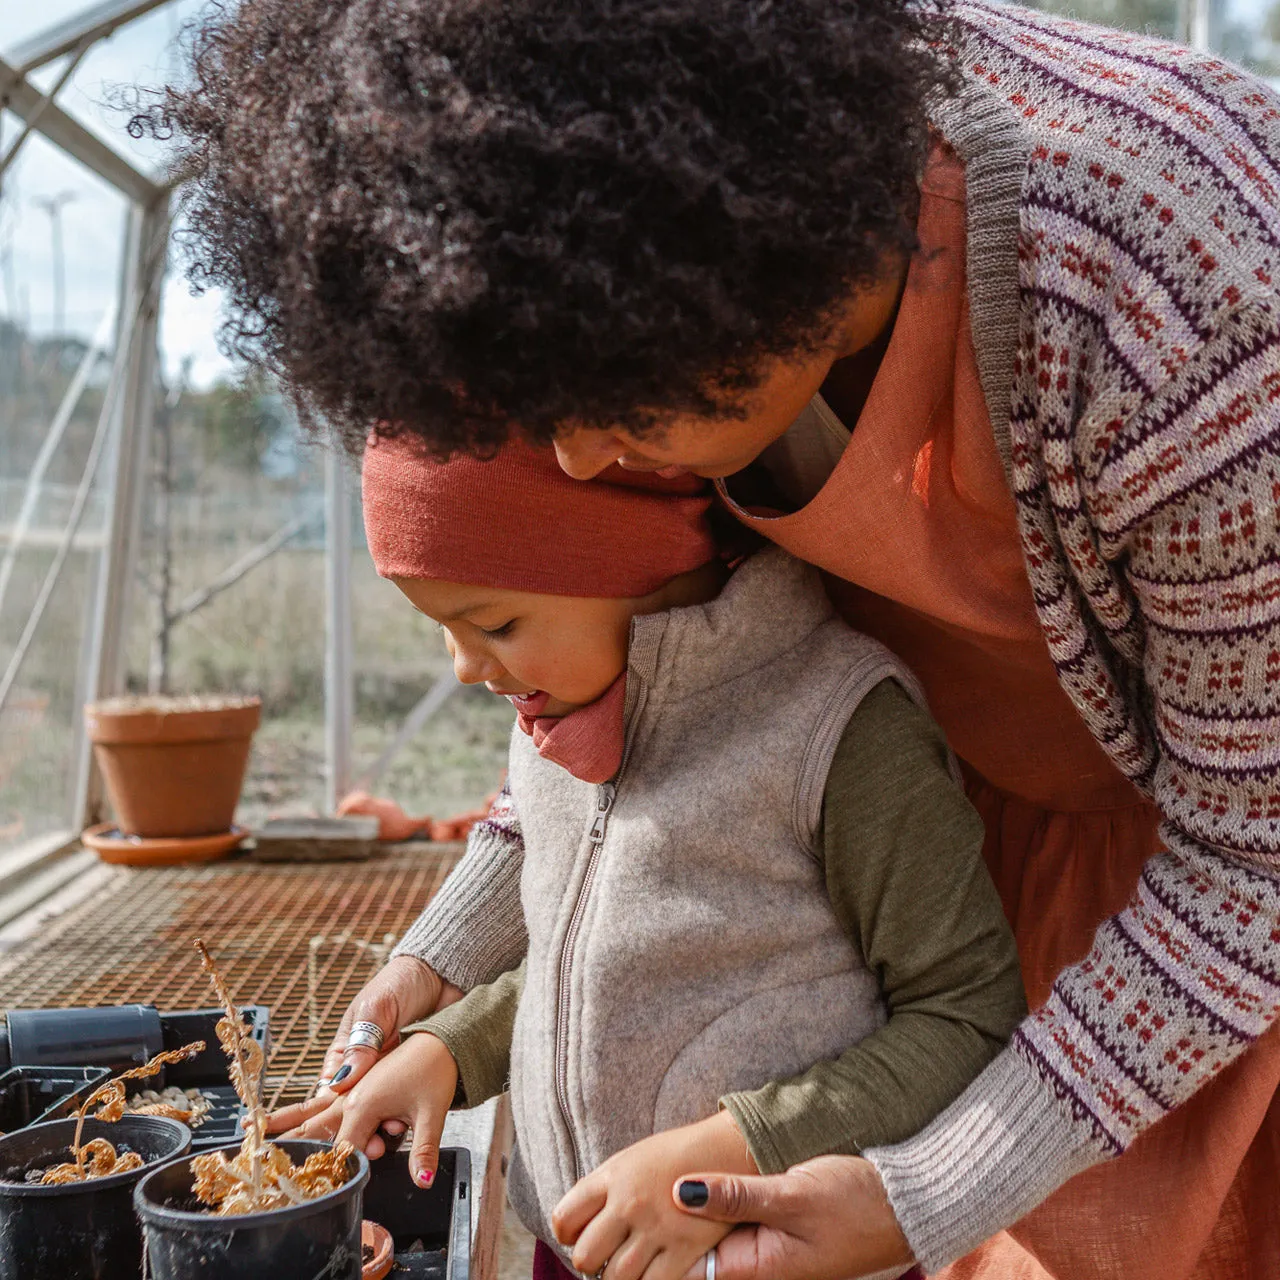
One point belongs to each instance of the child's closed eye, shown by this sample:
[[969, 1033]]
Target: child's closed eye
[[503, 630]]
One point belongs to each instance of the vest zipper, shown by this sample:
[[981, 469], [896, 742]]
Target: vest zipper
[[605, 796]]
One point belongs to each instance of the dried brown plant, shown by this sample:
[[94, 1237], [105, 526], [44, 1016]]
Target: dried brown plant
[[98, 1158], [260, 1176]]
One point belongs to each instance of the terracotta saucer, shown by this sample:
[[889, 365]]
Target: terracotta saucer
[[110, 845], [377, 1238]]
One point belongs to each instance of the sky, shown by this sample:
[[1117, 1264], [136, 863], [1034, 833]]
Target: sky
[[92, 214]]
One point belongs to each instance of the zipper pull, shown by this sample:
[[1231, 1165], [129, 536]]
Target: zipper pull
[[604, 803]]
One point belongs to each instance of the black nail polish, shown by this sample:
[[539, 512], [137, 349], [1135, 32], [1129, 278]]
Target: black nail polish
[[341, 1074], [694, 1194]]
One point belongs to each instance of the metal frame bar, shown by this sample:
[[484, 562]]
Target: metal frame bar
[[339, 689], [126, 483], [90, 25], [419, 714], [69, 135], [77, 56]]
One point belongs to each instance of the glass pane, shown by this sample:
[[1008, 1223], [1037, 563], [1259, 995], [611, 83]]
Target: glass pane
[[19, 22], [61, 240], [99, 93]]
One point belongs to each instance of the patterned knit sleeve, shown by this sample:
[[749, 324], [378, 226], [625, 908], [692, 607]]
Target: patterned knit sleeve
[[1169, 642], [473, 929]]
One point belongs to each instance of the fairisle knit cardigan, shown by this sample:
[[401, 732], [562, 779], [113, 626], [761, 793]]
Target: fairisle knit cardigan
[[1123, 248]]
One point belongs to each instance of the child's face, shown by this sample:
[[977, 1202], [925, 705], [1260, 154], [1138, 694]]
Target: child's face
[[548, 654]]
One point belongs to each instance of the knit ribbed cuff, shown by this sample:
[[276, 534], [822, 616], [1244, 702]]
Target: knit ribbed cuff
[[473, 929], [1000, 1149]]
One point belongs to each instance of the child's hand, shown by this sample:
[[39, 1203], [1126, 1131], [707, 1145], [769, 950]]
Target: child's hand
[[414, 1085], [622, 1214]]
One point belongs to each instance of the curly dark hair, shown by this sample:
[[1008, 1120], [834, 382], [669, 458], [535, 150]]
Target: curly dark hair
[[461, 216]]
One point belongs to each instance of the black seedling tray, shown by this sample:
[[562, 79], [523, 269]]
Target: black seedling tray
[[207, 1071], [32, 1095], [430, 1228]]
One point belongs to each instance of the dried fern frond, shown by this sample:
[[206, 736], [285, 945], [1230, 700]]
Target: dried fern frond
[[109, 1098], [260, 1176]]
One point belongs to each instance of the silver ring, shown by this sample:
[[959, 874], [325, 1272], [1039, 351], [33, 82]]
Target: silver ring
[[323, 1083], [366, 1035], [711, 1265]]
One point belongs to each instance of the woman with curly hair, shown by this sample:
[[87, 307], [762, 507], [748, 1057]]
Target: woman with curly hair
[[975, 310]]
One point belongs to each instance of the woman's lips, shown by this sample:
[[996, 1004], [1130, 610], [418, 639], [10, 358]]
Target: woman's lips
[[529, 704], [667, 471]]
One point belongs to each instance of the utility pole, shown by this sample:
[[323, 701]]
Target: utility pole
[[52, 205]]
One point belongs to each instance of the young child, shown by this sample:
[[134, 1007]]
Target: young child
[[759, 925]]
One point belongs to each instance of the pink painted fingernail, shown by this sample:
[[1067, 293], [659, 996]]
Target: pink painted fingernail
[[425, 1177]]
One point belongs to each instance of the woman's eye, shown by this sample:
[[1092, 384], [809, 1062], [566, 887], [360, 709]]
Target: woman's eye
[[503, 630]]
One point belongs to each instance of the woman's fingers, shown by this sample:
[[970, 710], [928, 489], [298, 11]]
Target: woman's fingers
[[322, 1126], [289, 1117], [730, 1197], [822, 1220], [379, 1006], [737, 1256], [628, 1262], [402, 991]]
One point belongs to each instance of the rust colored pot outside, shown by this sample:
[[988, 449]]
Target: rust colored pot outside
[[173, 766]]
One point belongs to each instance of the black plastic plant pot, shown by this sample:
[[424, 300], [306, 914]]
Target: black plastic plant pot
[[83, 1229], [319, 1237], [32, 1095]]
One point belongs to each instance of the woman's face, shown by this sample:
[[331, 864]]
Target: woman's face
[[715, 447], [709, 447]]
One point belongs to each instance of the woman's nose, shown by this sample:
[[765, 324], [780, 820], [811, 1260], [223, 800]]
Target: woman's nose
[[584, 454]]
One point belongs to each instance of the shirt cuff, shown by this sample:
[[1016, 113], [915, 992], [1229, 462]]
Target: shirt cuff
[[1000, 1149]]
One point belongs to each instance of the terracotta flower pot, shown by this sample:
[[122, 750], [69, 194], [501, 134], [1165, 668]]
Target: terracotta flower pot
[[173, 766]]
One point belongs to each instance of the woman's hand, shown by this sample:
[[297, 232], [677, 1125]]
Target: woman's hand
[[826, 1219], [411, 1086], [619, 1219], [402, 991]]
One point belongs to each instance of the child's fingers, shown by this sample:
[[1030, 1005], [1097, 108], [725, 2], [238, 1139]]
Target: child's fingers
[[629, 1261], [289, 1117], [424, 1157], [599, 1243], [675, 1262], [322, 1126], [360, 1122], [666, 1265], [582, 1202]]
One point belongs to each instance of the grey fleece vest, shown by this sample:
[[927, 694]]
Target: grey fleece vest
[[681, 941]]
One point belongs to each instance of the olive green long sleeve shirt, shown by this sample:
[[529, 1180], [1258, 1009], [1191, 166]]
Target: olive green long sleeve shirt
[[902, 852]]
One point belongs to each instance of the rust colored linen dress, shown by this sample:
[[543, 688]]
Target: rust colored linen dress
[[916, 528]]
